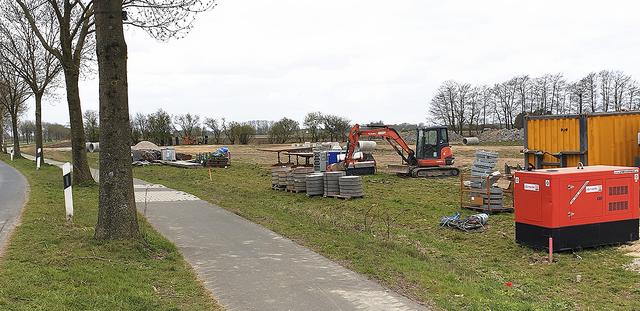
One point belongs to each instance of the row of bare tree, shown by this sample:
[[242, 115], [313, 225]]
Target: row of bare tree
[[48, 43], [464, 106]]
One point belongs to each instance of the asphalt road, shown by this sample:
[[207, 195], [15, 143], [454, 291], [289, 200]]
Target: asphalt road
[[13, 190]]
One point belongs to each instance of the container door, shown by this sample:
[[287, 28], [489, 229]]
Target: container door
[[586, 199]]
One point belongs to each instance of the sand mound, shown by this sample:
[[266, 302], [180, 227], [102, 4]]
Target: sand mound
[[145, 145]]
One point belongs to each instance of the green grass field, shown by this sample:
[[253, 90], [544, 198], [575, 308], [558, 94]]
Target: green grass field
[[51, 265], [393, 235]]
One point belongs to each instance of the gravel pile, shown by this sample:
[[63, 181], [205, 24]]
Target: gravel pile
[[497, 135]]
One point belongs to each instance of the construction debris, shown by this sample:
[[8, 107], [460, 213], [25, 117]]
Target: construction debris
[[473, 222]]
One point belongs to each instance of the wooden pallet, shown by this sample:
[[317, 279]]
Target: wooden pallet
[[296, 191], [347, 197], [274, 187]]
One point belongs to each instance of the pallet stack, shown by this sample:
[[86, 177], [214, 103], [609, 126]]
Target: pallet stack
[[351, 187], [483, 192], [314, 184], [332, 183]]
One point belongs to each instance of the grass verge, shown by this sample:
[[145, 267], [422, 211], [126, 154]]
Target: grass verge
[[51, 265], [393, 235]]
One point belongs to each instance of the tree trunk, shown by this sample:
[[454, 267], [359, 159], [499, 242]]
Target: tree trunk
[[16, 137], [3, 148], [81, 172], [117, 216], [38, 132]]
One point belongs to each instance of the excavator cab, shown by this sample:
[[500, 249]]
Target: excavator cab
[[430, 142]]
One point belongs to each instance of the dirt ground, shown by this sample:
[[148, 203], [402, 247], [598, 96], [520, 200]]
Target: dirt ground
[[384, 154]]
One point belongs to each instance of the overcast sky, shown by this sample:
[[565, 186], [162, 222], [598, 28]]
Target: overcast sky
[[364, 60]]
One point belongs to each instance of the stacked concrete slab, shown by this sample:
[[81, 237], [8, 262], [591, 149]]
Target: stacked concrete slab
[[279, 176], [332, 183], [351, 187], [314, 184], [300, 178]]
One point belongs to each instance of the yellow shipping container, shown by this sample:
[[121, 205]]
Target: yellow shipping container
[[593, 139]]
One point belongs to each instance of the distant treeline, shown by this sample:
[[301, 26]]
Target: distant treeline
[[464, 106]]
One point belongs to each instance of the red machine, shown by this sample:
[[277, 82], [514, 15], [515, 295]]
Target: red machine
[[577, 207], [433, 158]]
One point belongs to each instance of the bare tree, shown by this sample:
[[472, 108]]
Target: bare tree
[[21, 50], [91, 125], [73, 20], [213, 125], [188, 124], [14, 92]]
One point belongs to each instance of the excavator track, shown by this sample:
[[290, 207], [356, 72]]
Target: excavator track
[[444, 171]]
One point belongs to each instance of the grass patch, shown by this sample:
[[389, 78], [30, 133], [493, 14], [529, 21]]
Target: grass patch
[[50, 265], [393, 235]]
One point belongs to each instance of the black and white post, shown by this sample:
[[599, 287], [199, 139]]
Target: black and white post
[[11, 153], [68, 195], [38, 158]]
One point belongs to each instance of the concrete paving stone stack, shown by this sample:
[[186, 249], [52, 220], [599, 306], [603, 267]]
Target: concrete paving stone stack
[[332, 183], [275, 175], [282, 177], [315, 184], [290, 181], [300, 178], [351, 186]]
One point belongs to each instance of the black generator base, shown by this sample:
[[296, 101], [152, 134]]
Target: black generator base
[[576, 237]]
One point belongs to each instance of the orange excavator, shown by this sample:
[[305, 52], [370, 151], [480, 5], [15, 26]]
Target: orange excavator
[[433, 156]]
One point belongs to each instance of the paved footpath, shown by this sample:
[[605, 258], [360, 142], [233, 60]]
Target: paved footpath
[[13, 194], [248, 267]]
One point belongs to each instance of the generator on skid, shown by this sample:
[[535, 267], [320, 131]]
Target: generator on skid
[[576, 207]]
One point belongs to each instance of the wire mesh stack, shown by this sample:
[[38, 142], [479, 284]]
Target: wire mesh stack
[[351, 187], [483, 191], [332, 183], [314, 184], [300, 178]]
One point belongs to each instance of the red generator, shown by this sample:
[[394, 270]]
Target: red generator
[[577, 207]]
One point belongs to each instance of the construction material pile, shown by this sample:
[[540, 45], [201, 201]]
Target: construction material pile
[[218, 158], [332, 183], [497, 135], [314, 184], [351, 187], [279, 177], [483, 177], [299, 175]]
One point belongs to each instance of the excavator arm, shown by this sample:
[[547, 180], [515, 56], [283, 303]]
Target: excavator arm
[[389, 134]]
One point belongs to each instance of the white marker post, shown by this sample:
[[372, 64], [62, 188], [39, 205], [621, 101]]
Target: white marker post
[[11, 153], [38, 158], [68, 195]]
